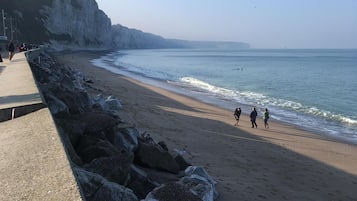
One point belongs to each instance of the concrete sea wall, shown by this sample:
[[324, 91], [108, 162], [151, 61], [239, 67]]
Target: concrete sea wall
[[33, 162]]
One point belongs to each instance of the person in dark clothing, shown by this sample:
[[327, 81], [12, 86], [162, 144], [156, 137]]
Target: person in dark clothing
[[11, 49], [237, 115], [0, 55], [266, 117], [253, 117]]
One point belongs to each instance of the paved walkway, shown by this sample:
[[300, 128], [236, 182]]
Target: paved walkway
[[17, 85], [33, 161], [19, 94]]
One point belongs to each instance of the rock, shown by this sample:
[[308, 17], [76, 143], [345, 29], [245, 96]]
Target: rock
[[182, 163], [200, 171], [201, 187], [96, 187], [70, 83], [56, 106], [113, 104], [76, 101], [172, 192], [124, 137], [146, 138], [154, 156], [140, 182], [73, 128], [97, 121], [69, 148], [198, 180], [163, 145], [108, 104], [115, 169], [161, 177], [89, 148]]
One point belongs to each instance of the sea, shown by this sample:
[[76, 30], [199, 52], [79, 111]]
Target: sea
[[314, 89]]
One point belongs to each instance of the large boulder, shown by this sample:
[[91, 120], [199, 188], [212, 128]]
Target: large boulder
[[161, 177], [72, 127], [96, 122], [76, 101], [71, 80], [154, 156], [172, 192], [124, 137], [69, 148], [95, 187], [199, 186], [109, 103], [199, 182], [115, 169], [182, 163], [89, 148], [56, 106], [140, 182]]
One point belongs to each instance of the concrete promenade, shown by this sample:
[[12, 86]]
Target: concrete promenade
[[33, 161], [18, 91]]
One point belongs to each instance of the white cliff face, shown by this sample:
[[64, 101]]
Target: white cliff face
[[78, 24]]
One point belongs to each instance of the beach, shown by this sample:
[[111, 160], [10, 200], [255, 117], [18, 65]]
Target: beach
[[280, 163]]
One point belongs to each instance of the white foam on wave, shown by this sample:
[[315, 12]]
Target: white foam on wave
[[261, 100], [206, 86], [101, 62]]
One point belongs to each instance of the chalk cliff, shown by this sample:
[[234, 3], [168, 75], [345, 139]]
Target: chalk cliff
[[77, 23], [62, 23]]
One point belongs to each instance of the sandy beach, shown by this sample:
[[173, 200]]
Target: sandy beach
[[280, 163]]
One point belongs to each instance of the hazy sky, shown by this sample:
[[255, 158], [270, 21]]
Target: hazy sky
[[262, 23]]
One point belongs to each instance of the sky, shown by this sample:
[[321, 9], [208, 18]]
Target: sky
[[261, 23]]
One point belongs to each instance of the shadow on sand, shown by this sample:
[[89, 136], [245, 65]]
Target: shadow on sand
[[261, 169]]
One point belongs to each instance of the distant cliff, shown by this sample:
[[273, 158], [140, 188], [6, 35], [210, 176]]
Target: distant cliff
[[125, 38]]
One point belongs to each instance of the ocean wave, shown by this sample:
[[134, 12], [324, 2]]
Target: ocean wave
[[206, 86], [261, 100]]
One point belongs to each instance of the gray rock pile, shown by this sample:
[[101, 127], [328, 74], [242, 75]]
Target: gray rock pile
[[110, 158]]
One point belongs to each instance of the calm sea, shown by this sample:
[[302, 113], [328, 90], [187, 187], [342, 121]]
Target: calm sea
[[314, 89]]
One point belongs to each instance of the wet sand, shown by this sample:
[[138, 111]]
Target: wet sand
[[280, 163]]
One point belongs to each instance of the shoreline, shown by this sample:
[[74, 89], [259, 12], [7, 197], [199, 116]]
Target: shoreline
[[247, 163], [327, 126]]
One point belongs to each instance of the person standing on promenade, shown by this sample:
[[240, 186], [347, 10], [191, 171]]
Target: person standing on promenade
[[253, 117], [266, 117], [11, 49], [237, 115]]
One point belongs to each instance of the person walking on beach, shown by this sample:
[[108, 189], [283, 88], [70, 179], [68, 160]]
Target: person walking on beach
[[253, 117], [0, 55], [11, 49], [237, 115], [266, 117]]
